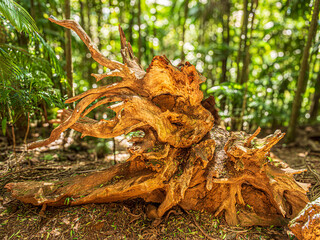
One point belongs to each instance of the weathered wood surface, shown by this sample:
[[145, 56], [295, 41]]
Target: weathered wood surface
[[307, 224]]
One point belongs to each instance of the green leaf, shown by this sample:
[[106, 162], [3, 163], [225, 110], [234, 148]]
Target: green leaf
[[4, 125]]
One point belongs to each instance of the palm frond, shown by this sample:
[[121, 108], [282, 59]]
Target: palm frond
[[20, 55], [22, 21], [18, 17], [8, 66]]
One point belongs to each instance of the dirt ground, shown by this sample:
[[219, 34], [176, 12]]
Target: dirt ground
[[123, 220]]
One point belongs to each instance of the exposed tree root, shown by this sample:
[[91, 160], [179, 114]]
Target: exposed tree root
[[266, 196], [180, 160]]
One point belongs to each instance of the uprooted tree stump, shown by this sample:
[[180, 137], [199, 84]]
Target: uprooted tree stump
[[180, 158]]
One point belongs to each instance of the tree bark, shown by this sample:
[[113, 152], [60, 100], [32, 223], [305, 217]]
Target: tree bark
[[303, 76], [247, 42], [245, 68], [154, 30], [225, 37], [181, 159], [68, 53], [131, 23], [243, 40], [186, 10], [82, 21], [315, 100], [226, 40], [99, 19], [139, 32]]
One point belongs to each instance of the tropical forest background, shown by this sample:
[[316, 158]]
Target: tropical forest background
[[259, 57]]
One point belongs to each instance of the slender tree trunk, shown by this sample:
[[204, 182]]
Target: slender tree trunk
[[186, 10], [243, 36], [131, 23], [154, 30], [68, 53], [146, 48], [237, 107], [58, 83], [315, 101], [225, 37], [313, 61], [13, 141], [247, 42], [85, 74], [245, 67], [226, 40], [139, 32], [99, 6], [99, 17], [27, 131], [89, 6], [99, 20], [82, 21], [121, 12], [303, 76]]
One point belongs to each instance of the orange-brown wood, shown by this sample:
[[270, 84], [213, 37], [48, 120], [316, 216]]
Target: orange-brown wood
[[182, 159]]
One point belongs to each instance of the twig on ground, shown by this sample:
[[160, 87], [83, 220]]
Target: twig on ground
[[200, 228]]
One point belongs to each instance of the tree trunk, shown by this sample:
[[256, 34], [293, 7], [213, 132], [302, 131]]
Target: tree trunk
[[315, 101], [82, 21], [186, 10], [181, 159], [226, 40], [154, 30], [245, 68], [241, 57], [303, 76], [68, 53], [243, 37], [99, 19], [131, 23], [225, 37], [247, 43], [121, 12], [139, 32]]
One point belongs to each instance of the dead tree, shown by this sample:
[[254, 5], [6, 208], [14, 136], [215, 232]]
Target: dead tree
[[180, 159]]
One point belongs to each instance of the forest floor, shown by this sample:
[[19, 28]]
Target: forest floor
[[123, 220]]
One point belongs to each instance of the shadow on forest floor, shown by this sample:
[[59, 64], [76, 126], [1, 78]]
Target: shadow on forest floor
[[125, 220]]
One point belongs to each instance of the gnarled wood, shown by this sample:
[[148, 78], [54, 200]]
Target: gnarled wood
[[307, 224], [182, 159]]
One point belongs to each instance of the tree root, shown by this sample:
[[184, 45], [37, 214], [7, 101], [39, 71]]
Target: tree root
[[266, 196], [181, 159]]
